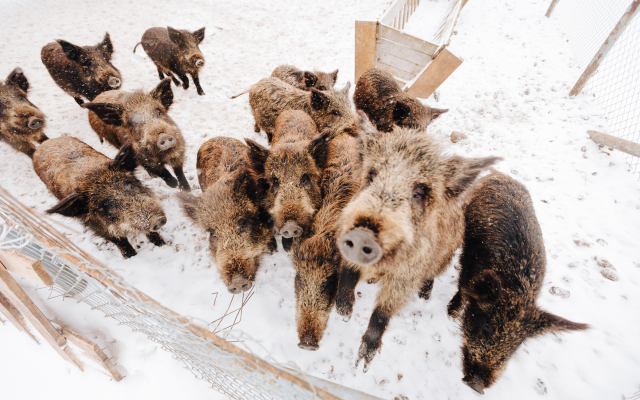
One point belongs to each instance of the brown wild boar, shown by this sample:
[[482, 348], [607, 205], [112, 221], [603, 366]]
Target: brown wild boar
[[175, 52], [291, 171], [502, 271], [101, 192], [405, 222], [141, 118], [82, 71], [230, 211], [386, 105], [21, 123], [331, 109], [305, 80], [315, 255]]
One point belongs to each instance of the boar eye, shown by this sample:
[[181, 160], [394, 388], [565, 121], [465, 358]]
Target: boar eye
[[275, 183], [212, 235], [420, 193], [243, 225], [305, 181], [371, 175], [335, 113], [322, 88], [158, 112], [108, 206]]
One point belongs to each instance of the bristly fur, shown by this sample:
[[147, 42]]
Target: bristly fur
[[305, 80]]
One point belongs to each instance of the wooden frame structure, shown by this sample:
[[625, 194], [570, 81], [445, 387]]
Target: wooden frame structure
[[418, 66]]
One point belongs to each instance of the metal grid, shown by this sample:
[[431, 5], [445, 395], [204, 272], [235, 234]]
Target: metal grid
[[616, 84], [77, 275]]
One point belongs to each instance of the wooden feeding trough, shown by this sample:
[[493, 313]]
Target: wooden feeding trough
[[419, 66]]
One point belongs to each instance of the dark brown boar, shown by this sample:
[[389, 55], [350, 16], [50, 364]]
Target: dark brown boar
[[386, 105], [103, 193], [405, 222], [315, 255], [329, 110], [141, 118], [292, 172], [305, 80], [82, 71], [230, 211], [175, 52], [21, 123], [502, 271]]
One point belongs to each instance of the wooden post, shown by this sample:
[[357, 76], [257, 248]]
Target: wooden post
[[92, 351], [435, 74], [551, 7], [623, 145], [13, 315], [26, 267], [615, 34], [366, 37]]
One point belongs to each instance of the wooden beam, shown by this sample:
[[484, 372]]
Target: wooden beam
[[13, 315], [435, 74], [366, 37], [617, 143], [26, 267], [407, 40], [608, 44], [93, 351], [551, 7]]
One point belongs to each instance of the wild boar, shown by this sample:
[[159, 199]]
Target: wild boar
[[82, 71], [141, 118], [103, 193], [386, 105], [405, 222], [502, 271], [230, 211], [21, 123], [305, 80], [175, 52], [331, 109], [292, 172], [315, 255]]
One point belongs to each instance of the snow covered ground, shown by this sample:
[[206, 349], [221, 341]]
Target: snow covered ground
[[510, 98]]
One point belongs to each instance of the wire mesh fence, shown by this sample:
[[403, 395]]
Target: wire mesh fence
[[76, 275], [616, 85]]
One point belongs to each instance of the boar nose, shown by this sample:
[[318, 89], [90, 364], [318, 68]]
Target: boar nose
[[199, 63], [475, 383], [35, 122], [114, 82], [308, 343], [158, 223], [165, 142], [360, 246], [291, 230], [239, 284]]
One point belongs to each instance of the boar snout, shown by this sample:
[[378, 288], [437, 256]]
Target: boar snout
[[475, 383], [291, 230], [114, 82], [308, 343], [166, 142], [360, 246], [158, 223], [199, 63], [239, 284], [35, 122]]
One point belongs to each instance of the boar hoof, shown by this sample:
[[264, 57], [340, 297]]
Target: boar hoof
[[239, 284], [455, 306], [359, 246], [286, 243], [474, 383], [290, 230], [201, 92], [79, 100], [256, 128], [156, 239], [308, 343]]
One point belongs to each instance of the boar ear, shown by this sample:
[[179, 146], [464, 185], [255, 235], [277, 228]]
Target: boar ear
[[436, 112], [257, 156], [125, 160], [163, 93], [461, 172], [486, 287], [17, 78], [551, 323], [319, 148], [245, 185], [190, 204], [106, 46], [334, 75], [73, 52], [400, 111], [310, 79], [366, 130], [175, 36], [199, 35], [110, 114], [319, 100], [346, 88], [73, 205]]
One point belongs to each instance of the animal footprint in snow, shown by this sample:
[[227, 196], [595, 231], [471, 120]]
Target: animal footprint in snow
[[557, 291]]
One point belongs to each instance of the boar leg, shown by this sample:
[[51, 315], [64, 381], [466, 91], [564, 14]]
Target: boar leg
[[165, 175], [160, 74], [124, 246], [155, 238], [173, 78], [346, 296], [78, 100], [455, 305], [425, 291], [196, 81], [256, 128], [184, 184], [185, 81], [272, 246], [372, 339]]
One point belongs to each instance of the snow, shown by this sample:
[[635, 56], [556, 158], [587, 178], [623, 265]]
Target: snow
[[510, 97]]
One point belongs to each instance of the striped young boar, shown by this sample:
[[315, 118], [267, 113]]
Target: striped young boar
[[141, 118], [329, 110], [103, 193], [175, 52], [386, 105], [502, 271], [405, 222], [230, 211], [21, 123], [82, 71], [305, 80], [291, 172], [315, 255]]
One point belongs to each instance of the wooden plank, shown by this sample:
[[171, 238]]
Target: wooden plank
[[400, 51], [435, 74], [399, 63], [13, 315], [395, 72], [617, 143], [464, 3], [393, 12], [407, 40], [74, 358], [365, 57], [92, 351], [26, 267], [615, 34], [551, 7]]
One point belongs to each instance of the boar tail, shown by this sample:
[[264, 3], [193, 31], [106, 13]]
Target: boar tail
[[240, 94], [134, 49]]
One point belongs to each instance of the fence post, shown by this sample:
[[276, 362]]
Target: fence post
[[605, 48], [551, 7], [366, 43]]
